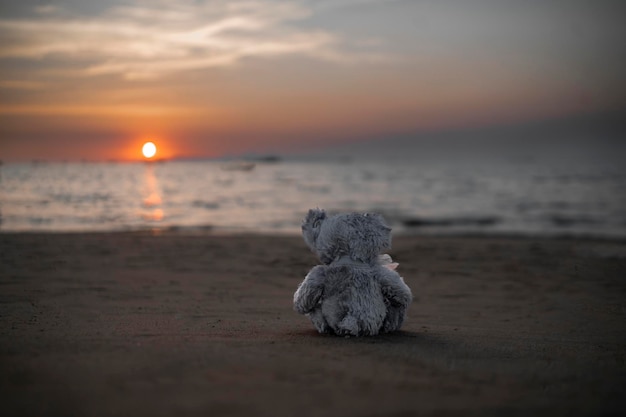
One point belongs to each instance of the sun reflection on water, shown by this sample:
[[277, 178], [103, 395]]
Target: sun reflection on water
[[151, 202]]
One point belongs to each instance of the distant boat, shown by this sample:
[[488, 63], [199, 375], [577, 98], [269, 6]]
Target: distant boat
[[238, 166], [270, 159]]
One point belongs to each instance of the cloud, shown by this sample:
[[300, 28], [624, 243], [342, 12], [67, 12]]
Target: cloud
[[148, 40], [20, 85], [106, 110]]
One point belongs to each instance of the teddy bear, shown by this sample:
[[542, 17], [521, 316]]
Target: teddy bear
[[356, 291]]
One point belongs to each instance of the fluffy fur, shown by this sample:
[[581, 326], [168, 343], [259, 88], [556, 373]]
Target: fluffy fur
[[356, 292]]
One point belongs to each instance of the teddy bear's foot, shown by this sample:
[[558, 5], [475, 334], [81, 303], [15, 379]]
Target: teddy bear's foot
[[394, 319], [322, 328], [318, 320], [348, 327]]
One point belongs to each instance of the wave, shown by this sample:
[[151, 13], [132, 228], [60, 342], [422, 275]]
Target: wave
[[483, 221], [208, 205]]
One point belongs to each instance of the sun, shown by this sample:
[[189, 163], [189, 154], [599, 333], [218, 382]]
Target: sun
[[149, 150]]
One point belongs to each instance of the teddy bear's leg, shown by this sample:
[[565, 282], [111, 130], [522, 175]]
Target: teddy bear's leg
[[348, 326], [394, 318], [318, 320]]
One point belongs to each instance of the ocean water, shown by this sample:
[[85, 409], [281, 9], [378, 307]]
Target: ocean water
[[511, 194]]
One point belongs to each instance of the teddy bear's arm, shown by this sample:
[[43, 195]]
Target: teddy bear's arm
[[397, 297], [395, 291], [310, 290]]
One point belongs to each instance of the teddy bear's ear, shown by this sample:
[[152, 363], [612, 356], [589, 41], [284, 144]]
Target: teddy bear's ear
[[383, 232], [314, 217], [311, 227]]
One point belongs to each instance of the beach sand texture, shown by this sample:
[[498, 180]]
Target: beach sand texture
[[136, 324]]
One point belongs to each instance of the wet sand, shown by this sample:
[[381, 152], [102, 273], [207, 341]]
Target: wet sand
[[157, 325]]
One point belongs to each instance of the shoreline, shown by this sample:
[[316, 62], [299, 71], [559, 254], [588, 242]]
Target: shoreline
[[209, 231], [143, 324]]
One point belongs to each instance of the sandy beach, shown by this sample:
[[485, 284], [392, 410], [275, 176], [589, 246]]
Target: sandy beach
[[142, 324]]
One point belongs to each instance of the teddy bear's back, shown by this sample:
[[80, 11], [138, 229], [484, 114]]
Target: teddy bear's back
[[354, 293]]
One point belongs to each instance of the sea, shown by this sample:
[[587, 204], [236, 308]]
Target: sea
[[575, 191]]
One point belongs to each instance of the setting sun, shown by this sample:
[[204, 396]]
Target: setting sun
[[149, 150]]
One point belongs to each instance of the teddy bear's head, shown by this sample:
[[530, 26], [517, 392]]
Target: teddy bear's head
[[359, 236]]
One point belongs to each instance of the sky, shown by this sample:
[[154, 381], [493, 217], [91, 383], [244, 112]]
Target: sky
[[87, 79]]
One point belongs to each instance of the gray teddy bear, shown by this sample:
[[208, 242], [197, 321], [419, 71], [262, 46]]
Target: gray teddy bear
[[356, 292]]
